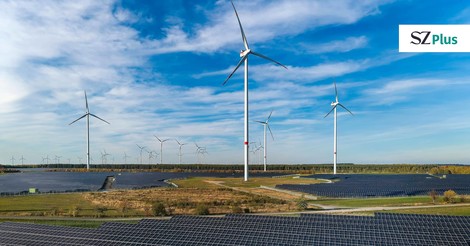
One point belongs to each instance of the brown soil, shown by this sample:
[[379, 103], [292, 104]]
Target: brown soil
[[185, 200]]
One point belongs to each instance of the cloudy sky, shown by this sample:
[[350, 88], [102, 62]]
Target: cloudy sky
[[157, 67]]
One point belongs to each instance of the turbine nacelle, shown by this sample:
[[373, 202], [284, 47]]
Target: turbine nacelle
[[245, 52]]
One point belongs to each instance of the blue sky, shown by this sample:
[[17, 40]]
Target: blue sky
[[156, 68]]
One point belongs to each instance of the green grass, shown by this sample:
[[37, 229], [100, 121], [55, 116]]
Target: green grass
[[457, 211], [372, 202], [194, 182], [43, 202], [74, 223]]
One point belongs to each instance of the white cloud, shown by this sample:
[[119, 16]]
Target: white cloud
[[350, 43], [263, 20]]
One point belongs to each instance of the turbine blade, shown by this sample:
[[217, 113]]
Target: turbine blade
[[99, 118], [177, 141], [262, 122], [78, 119], [86, 103], [157, 138], [234, 70], [267, 58], [245, 42], [269, 116], [330, 111], [269, 128], [336, 92], [345, 108]]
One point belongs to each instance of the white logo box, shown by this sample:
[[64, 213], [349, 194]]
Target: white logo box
[[434, 38]]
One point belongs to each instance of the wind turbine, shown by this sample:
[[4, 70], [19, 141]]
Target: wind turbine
[[180, 145], [22, 160], [79, 160], [47, 159], [200, 151], [150, 154], [141, 149], [87, 115], [244, 58], [335, 136], [12, 160], [104, 159], [161, 148], [57, 159], [266, 125], [125, 158]]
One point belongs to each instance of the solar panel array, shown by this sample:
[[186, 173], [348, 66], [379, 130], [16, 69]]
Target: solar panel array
[[368, 185], [308, 229]]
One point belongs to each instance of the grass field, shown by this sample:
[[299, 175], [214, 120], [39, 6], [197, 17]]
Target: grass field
[[370, 202], [457, 211]]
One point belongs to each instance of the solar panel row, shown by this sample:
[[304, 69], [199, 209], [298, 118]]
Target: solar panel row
[[308, 229], [368, 185]]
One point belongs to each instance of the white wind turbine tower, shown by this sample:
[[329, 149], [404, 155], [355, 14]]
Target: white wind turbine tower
[[87, 115], [244, 58], [180, 145], [141, 149], [335, 136], [266, 125], [161, 148], [12, 160], [22, 160]]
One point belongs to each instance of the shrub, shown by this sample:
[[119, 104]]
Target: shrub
[[74, 210], [159, 209], [449, 196], [100, 211], [202, 209], [237, 210], [302, 203], [462, 198]]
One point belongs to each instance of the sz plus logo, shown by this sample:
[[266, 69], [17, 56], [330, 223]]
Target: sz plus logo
[[434, 38], [425, 37]]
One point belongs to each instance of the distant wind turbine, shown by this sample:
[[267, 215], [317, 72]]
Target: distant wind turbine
[[244, 58], [12, 160], [151, 155], [57, 159], [161, 148], [141, 149], [104, 159], [180, 145], [22, 160], [200, 151], [125, 158], [87, 115], [266, 125], [335, 136], [46, 159]]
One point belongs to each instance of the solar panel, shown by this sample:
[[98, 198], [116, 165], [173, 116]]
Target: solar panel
[[359, 185], [308, 229]]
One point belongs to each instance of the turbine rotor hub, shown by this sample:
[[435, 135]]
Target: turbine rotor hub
[[244, 52]]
